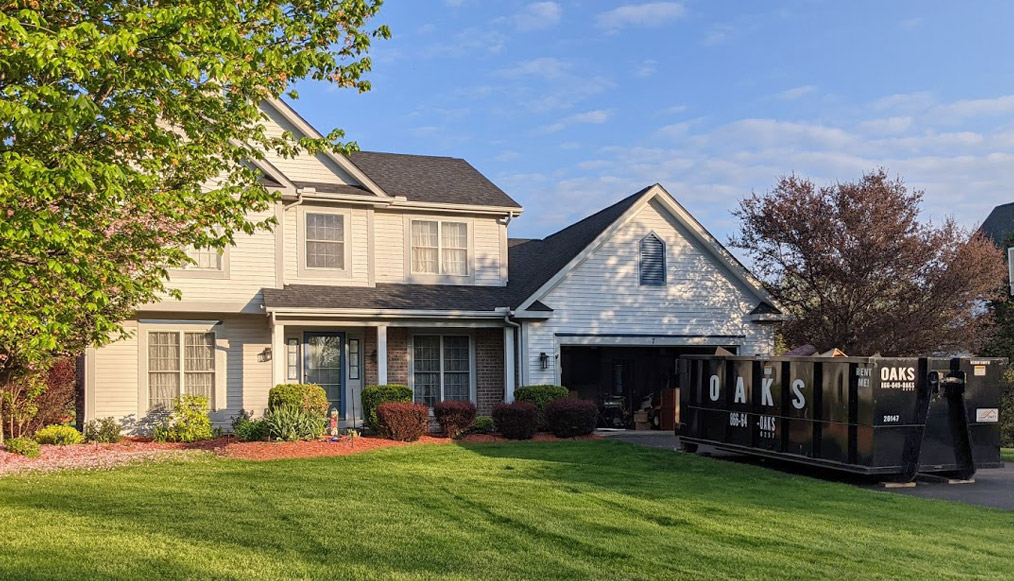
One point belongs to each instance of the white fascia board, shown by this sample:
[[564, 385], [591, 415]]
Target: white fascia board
[[533, 315], [499, 313], [293, 117], [223, 307], [403, 204]]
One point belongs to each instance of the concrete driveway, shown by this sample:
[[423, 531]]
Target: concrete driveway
[[993, 488]]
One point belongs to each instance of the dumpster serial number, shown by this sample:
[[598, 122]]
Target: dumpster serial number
[[738, 419], [892, 419]]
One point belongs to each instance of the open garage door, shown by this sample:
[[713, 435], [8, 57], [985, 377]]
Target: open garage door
[[624, 380]]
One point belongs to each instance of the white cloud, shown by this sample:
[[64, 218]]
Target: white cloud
[[468, 41], [559, 85], [652, 14], [718, 34], [795, 93], [889, 125], [507, 155], [597, 116], [645, 69], [547, 68], [537, 16]]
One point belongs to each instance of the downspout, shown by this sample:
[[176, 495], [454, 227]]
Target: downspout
[[517, 346]]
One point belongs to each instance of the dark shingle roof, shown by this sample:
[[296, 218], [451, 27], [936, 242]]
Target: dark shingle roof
[[765, 308], [423, 178], [533, 262], [999, 225], [389, 296]]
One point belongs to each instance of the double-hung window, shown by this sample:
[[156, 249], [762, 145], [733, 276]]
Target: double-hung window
[[439, 247], [325, 241], [441, 368], [180, 362]]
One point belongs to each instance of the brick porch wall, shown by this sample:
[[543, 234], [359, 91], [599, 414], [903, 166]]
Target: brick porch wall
[[488, 369], [397, 355]]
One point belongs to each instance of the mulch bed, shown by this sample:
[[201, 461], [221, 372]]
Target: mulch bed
[[134, 450]]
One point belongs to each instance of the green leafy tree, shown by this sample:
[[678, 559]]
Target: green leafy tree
[[127, 130]]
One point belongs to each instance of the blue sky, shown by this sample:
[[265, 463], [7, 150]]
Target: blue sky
[[571, 105]]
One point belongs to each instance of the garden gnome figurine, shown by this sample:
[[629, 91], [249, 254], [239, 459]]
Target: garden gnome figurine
[[334, 425]]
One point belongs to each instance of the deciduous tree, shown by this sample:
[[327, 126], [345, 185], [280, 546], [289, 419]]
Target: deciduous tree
[[126, 131], [856, 269]]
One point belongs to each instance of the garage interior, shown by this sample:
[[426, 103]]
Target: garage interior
[[634, 386]]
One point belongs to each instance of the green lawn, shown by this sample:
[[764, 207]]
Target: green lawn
[[575, 510], [1007, 454]]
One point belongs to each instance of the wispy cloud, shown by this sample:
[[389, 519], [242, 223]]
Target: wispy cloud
[[718, 34], [646, 69], [795, 93], [468, 41], [547, 68], [651, 14], [536, 16], [558, 86], [597, 116]]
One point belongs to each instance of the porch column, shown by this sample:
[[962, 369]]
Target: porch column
[[509, 363], [278, 354], [381, 354]]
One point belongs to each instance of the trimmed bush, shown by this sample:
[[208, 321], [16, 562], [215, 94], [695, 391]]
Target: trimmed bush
[[405, 422], [455, 417], [59, 435], [306, 396], [540, 395], [188, 422], [374, 395], [247, 429], [516, 421], [291, 423], [104, 431], [25, 446], [567, 418], [483, 425]]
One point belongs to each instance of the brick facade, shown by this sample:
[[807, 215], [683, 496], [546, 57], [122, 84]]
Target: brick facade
[[397, 355], [488, 369], [489, 365]]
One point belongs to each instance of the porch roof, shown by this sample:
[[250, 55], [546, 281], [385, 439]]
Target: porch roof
[[387, 296]]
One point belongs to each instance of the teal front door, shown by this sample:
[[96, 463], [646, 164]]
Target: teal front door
[[324, 365]]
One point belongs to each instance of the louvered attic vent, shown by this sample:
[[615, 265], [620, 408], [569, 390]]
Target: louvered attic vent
[[652, 261]]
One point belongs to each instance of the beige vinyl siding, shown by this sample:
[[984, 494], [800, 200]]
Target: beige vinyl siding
[[248, 267], [115, 376], [603, 295], [389, 238], [304, 168], [120, 371], [356, 237], [487, 252]]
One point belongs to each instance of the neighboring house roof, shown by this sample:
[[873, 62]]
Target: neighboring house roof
[[999, 225], [388, 296], [424, 178]]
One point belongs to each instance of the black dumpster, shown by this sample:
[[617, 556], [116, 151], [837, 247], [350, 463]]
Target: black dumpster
[[887, 416]]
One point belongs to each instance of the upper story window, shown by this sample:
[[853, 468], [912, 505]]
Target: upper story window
[[204, 259], [325, 241], [439, 247], [652, 261]]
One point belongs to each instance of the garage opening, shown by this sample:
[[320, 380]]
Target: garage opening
[[634, 387]]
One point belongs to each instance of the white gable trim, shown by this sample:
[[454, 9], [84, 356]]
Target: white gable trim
[[290, 115], [715, 248]]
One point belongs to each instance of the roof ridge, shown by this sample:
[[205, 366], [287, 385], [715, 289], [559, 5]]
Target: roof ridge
[[602, 211], [408, 154]]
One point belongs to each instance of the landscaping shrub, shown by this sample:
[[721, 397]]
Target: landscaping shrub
[[540, 395], [374, 395], [59, 435], [1007, 414], [25, 446], [292, 423], [247, 429], [40, 398], [104, 431], [405, 422], [455, 417], [483, 425], [567, 418], [188, 421], [516, 421], [306, 396]]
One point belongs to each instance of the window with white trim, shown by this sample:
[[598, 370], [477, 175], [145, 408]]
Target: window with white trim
[[173, 371], [439, 247], [441, 368], [204, 259], [292, 359], [324, 236], [355, 358], [652, 261]]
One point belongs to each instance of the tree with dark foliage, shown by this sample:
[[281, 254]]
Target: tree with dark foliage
[[857, 270]]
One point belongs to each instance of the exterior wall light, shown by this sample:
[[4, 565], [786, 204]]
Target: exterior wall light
[[544, 360]]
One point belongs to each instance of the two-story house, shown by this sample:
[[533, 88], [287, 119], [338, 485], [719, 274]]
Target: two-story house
[[388, 268]]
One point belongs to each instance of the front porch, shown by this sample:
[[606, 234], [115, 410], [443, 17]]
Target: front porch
[[447, 358]]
